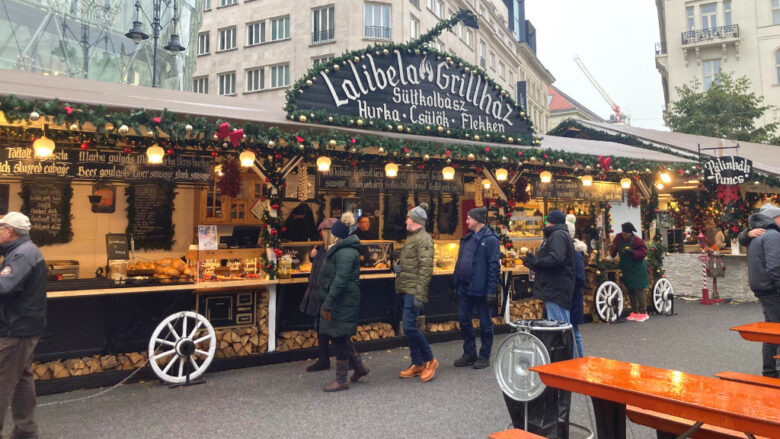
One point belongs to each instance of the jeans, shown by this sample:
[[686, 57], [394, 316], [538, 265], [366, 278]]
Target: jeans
[[557, 312], [466, 306], [771, 306], [419, 349], [578, 341], [17, 385]]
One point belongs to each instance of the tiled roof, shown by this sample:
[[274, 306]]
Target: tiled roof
[[562, 102]]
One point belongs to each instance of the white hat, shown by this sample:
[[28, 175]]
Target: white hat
[[16, 220]]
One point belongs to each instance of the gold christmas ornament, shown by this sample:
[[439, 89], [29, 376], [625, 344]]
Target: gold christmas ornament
[[330, 119], [74, 126], [188, 128], [215, 137], [449, 132], [416, 51], [385, 51], [381, 150], [360, 122], [271, 144], [522, 114], [123, 130], [356, 59], [427, 127], [300, 92], [34, 116], [487, 136], [302, 118], [301, 147], [511, 140], [470, 157], [426, 157], [336, 67], [560, 160], [308, 83], [407, 155], [440, 129], [504, 159], [399, 128], [476, 137], [332, 143]]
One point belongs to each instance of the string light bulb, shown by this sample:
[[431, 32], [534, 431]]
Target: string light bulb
[[486, 183], [323, 164], [155, 154]]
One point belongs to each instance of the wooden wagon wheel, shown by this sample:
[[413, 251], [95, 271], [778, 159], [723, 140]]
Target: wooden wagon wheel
[[185, 351], [609, 301], [663, 297]]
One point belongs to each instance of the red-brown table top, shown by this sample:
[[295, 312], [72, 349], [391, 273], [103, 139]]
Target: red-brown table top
[[737, 406], [766, 332]]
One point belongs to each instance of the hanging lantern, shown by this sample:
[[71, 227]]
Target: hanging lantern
[[155, 154], [486, 183], [391, 170], [545, 176], [625, 183], [587, 180], [43, 147], [247, 159], [501, 174], [665, 177], [659, 185], [448, 173], [218, 170], [323, 164]]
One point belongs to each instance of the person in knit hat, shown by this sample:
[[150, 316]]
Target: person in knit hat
[[633, 251], [413, 275], [553, 266], [475, 277]]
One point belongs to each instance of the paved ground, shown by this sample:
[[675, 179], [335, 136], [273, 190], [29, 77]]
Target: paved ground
[[283, 401]]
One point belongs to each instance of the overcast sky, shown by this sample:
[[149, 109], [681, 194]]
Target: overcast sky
[[615, 39]]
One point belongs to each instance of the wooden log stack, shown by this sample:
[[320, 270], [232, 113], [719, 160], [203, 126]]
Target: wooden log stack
[[292, 340], [239, 342], [526, 309], [73, 367]]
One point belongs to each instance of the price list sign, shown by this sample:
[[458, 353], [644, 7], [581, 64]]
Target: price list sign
[[44, 204], [152, 223]]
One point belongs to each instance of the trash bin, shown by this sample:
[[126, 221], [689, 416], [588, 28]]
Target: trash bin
[[547, 413]]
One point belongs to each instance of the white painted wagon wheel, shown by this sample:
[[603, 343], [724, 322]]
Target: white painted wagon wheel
[[609, 301], [189, 340], [663, 296]]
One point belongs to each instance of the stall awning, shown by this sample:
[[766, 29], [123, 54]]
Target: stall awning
[[597, 147]]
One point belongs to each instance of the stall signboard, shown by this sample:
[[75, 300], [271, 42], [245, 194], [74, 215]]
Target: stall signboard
[[344, 178], [413, 88], [572, 188], [116, 246], [94, 164], [728, 170]]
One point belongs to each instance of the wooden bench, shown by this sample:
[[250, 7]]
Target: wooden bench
[[514, 433], [747, 378], [765, 332], [674, 426]]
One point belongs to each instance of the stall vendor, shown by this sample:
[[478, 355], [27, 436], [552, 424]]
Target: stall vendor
[[633, 252]]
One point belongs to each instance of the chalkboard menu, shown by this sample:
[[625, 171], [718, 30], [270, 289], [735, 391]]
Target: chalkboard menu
[[375, 179], [116, 246], [47, 204], [572, 188], [395, 216], [150, 215]]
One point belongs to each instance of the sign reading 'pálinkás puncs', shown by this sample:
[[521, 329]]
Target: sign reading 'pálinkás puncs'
[[728, 170], [413, 88]]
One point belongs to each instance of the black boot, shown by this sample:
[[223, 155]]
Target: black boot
[[356, 363], [465, 360], [340, 383], [319, 365], [323, 363]]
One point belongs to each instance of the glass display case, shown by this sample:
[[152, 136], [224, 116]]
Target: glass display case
[[375, 256], [445, 254], [525, 226]]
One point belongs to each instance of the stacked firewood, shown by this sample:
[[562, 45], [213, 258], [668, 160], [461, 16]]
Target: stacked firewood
[[239, 342], [589, 291], [373, 331], [87, 365], [526, 309], [454, 325], [292, 340]]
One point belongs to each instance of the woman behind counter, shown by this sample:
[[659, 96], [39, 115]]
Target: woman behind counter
[[339, 293]]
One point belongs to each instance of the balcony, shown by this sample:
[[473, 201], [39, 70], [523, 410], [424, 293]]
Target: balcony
[[322, 37], [713, 35], [377, 33], [660, 48]]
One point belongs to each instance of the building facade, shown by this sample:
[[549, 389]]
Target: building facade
[[260, 47], [700, 38]]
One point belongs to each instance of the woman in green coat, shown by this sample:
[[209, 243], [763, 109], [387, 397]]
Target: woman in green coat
[[633, 252], [339, 293]]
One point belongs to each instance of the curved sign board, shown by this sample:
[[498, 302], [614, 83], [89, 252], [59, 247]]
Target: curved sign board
[[728, 170], [414, 88]]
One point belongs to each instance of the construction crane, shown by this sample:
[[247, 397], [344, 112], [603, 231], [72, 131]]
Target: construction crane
[[617, 116]]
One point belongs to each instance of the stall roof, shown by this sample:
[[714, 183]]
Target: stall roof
[[125, 97], [765, 157]]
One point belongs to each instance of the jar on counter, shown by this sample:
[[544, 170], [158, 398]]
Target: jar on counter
[[117, 270], [284, 269]]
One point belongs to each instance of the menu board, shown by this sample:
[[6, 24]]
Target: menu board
[[572, 188], [150, 210], [47, 204], [374, 179], [116, 246]]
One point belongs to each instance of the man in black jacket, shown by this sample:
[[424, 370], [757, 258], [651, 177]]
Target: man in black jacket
[[554, 268], [22, 321]]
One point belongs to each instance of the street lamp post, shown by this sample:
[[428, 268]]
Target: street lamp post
[[137, 34]]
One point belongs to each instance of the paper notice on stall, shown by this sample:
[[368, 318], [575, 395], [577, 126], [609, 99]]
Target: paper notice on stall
[[207, 238], [258, 208]]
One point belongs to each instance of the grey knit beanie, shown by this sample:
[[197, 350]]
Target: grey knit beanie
[[418, 214]]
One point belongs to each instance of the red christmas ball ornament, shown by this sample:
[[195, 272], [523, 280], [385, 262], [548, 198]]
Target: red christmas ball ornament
[[735, 229], [421, 166], [508, 245], [214, 153], [127, 150], [170, 151], [284, 229], [274, 206], [520, 153], [655, 210], [268, 266], [273, 231], [487, 149], [278, 156], [353, 140], [132, 142], [84, 145], [353, 163], [267, 180]]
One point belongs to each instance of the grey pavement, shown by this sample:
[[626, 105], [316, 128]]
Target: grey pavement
[[284, 401]]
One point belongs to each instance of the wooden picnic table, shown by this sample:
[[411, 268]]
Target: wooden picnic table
[[612, 384], [765, 332]]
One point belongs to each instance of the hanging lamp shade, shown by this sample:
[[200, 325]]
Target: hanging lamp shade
[[486, 183], [247, 159], [587, 180], [391, 170], [323, 164], [155, 154], [501, 174], [545, 176], [43, 147], [137, 33], [174, 45], [448, 173], [625, 183], [665, 177]]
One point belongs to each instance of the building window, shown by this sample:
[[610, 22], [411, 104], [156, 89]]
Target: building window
[[501, 69], [482, 54], [689, 17], [416, 3], [436, 7], [322, 25], [227, 38], [469, 37], [201, 85], [255, 79], [711, 69], [322, 59], [255, 33], [227, 2], [280, 76], [775, 11], [280, 28], [227, 83], [777, 66], [414, 28], [492, 60], [709, 19], [206, 5], [203, 43], [727, 12], [377, 21]]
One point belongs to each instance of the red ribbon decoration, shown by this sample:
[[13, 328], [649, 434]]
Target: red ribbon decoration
[[223, 131], [728, 193], [157, 120], [236, 136], [300, 139], [605, 162], [68, 109]]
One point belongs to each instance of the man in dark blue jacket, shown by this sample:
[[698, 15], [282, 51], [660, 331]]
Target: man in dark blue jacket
[[22, 321], [475, 277]]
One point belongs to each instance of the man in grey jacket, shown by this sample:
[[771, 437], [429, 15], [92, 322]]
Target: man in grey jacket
[[22, 321], [764, 275]]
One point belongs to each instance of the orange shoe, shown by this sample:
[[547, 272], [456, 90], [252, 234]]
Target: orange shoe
[[412, 371], [429, 371]]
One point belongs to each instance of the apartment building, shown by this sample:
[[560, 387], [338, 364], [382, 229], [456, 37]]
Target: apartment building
[[260, 47], [700, 38]]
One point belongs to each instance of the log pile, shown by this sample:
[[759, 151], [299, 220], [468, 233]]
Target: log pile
[[261, 319], [454, 325], [526, 309], [292, 340], [589, 291], [239, 342], [373, 331], [87, 365]]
